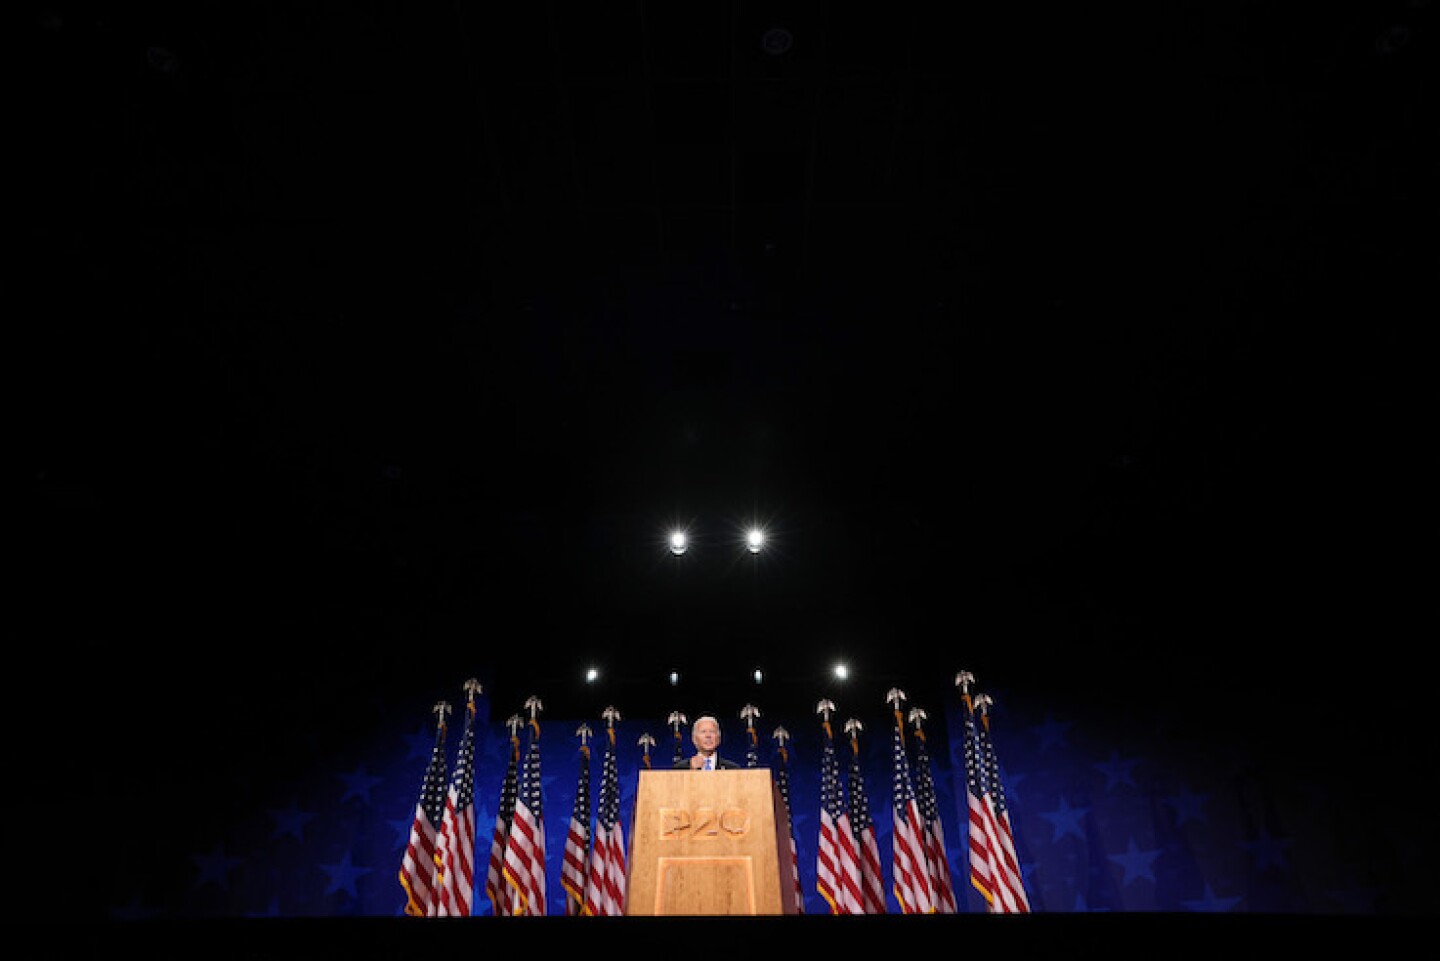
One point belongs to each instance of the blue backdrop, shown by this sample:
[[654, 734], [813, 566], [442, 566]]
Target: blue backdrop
[[1132, 814]]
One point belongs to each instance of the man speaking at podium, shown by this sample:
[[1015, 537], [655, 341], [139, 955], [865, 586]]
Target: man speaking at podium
[[709, 845], [705, 735]]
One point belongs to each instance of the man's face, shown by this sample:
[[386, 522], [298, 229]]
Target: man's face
[[706, 736]]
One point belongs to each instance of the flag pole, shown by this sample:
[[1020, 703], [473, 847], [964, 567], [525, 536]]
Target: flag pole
[[983, 703], [646, 742], [676, 720], [895, 698], [853, 727], [823, 709], [964, 680], [533, 705], [917, 717], [748, 714]]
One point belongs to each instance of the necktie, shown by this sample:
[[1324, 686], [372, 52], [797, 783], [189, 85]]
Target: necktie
[[709, 764]]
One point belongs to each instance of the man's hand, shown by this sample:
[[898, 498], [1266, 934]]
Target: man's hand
[[697, 761]]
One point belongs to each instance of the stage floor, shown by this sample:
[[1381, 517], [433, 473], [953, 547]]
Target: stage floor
[[1073, 935]]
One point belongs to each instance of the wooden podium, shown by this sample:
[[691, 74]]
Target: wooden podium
[[709, 842]]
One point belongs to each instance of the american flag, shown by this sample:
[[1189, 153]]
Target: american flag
[[940, 884], [984, 859], [456, 878], [872, 884], [575, 866], [417, 869], [605, 890], [782, 781], [911, 872], [837, 872], [495, 886], [1004, 888], [525, 850]]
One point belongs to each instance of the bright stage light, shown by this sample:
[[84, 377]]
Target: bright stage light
[[592, 675], [674, 678], [759, 676], [841, 672], [754, 540], [679, 543]]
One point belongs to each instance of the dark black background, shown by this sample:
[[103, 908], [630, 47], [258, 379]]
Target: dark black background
[[358, 351]]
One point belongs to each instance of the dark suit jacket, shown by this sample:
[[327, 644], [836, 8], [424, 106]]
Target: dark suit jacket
[[721, 764]]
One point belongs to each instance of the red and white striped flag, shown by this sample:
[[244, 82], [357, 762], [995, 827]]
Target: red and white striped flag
[[456, 878], [837, 867], [782, 782], [940, 883], [1008, 889], [417, 868], [575, 863], [910, 867], [495, 887], [872, 883], [525, 849], [605, 889], [994, 869]]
